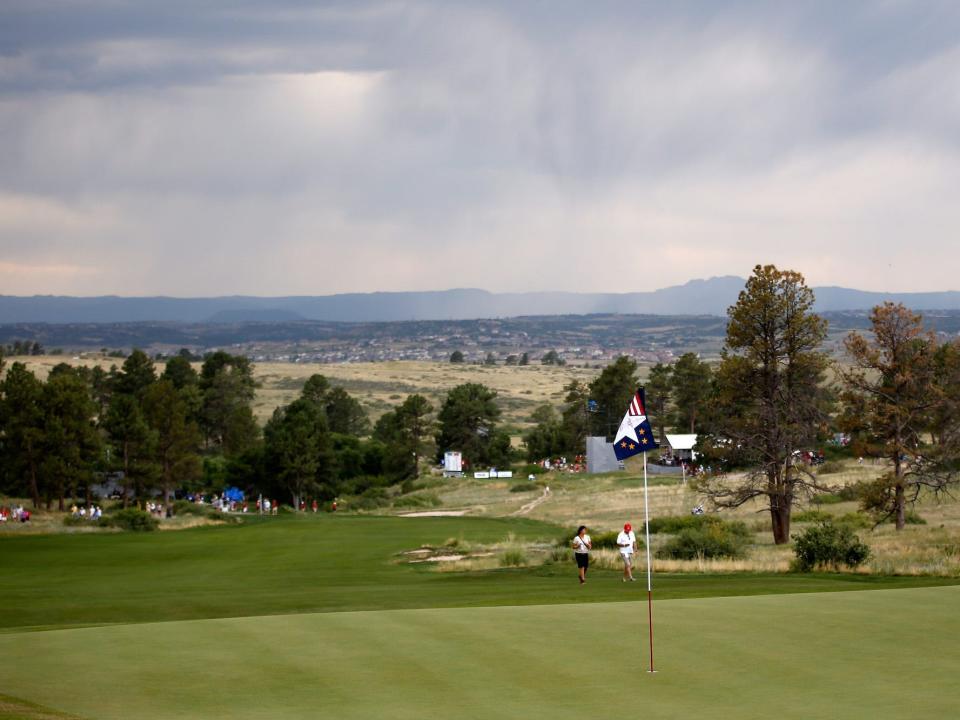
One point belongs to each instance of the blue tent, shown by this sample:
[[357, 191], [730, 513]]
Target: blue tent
[[233, 494]]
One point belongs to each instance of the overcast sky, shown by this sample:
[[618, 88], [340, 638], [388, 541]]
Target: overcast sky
[[283, 147]]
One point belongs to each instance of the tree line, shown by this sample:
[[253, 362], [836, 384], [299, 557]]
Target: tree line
[[156, 431]]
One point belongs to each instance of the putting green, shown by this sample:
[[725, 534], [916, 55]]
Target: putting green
[[877, 654]]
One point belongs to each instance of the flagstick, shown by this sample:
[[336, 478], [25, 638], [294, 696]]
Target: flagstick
[[646, 524]]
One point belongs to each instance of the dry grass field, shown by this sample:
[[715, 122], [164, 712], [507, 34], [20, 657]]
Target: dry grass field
[[605, 502], [380, 386]]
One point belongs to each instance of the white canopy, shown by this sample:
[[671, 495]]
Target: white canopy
[[681, 442]]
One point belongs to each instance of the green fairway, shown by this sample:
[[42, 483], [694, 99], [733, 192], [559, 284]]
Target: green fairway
[[313, 564], [320, 616], [836, 655]]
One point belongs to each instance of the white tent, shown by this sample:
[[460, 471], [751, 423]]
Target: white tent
[[682, 446]]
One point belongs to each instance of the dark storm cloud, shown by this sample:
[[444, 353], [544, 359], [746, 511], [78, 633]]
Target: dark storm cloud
[[511, 141]]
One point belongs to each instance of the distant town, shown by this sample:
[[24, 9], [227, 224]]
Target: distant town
[[580, 339]]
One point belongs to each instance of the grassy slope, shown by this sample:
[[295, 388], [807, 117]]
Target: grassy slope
[[885, 654], [314, 563]]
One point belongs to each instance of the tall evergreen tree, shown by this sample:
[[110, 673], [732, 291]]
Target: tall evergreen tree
[[546, 439], [894, 378], [612, 392], [316, 389], [136, 375], [415, 430], [21, 410], [177, 438], [133, 446], [299, 450], [770, 392], [691, 384], [180, 372], [228, 387], [945, 418], [468, 423], [72, 443], [345, 414], [659, 390], [576, 416]]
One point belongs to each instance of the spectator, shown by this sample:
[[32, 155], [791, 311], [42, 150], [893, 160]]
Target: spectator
[[581, 551], [627, 542]]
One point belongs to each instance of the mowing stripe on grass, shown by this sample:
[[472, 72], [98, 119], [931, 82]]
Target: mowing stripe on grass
[[880, 654]]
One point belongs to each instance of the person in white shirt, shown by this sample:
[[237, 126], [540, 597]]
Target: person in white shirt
[[581, 551], [627, 542]]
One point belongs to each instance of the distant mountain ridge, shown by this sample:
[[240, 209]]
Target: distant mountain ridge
[[696, 297]]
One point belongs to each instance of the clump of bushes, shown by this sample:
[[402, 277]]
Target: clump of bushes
[[811, 516], [710, 539], [828, 545], [187, 507], [370, 499], [852, 519], [130, 519], [855, 520], [848, 493], [606, 540], [419, 500], [673, 524], [524, 487], [513, 557]]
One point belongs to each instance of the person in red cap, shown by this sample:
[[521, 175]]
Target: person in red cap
[[627, 542]]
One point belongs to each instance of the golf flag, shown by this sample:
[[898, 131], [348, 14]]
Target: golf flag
[[635, 434]]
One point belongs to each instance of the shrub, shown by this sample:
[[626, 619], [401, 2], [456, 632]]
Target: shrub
[[678, 523], [131, 519], [420, 500], [811, 516], [855, 520], [607, 540], [829, 546], [524, 487], [828, 499], [514, 557], [712, 540], [186, 507], [370, 499]]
